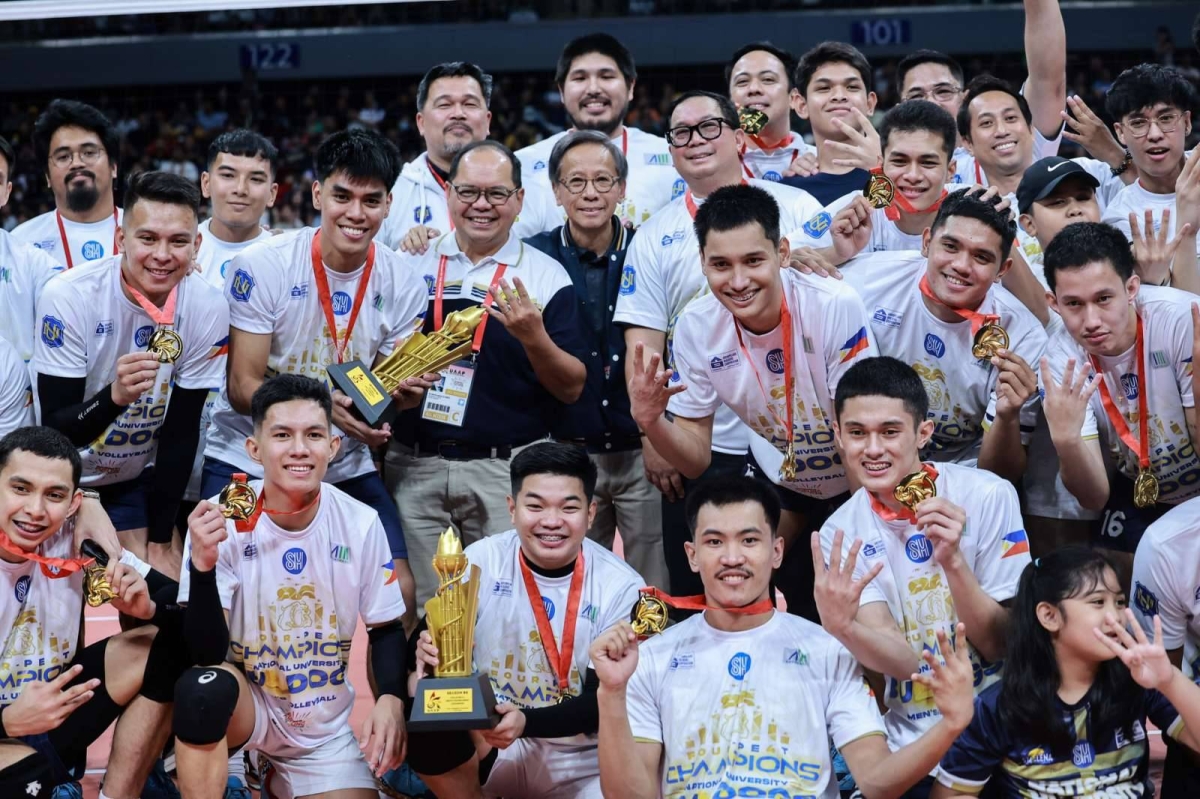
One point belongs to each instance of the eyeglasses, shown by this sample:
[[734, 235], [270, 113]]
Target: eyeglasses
[[603, 184], [496, 195], [88, 155], [1167, 121], [942, 93], [709, 129]]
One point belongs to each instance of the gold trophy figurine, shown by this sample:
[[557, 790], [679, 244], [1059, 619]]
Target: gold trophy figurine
[[371, 389], [456, 697]]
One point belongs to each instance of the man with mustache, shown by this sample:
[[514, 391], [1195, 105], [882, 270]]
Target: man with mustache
[[452, 111], [79, 148], [596, 77]]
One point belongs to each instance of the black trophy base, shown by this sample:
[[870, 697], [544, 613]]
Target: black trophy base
[[443, 704], [372, 402]]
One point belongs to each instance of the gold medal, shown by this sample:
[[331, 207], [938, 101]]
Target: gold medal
[[238, 499], [649, 616], [990, 339], [166, 344], [915, 489], [752, 121], [1145, 489], [788, 471], [879, 191], [96, 589]]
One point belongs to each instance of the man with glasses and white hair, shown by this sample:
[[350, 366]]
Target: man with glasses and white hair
[[588, 173], [448, 459]]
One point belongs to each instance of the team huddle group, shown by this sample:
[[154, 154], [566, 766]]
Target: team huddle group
[[924, 384]]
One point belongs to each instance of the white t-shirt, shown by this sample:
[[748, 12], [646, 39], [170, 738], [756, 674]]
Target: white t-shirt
[[271, 291], [418, 199], [994, 546], [87, 323], [1135, 199], [214, 258], [652, 183], [16, 398], [24, 270], [507, 645], [829, 334], [663, 274], [90, 241], [294, 599], [1166, 581], [749, 713], [961, 388], [771, 164], [1167, 324], [39, 617]]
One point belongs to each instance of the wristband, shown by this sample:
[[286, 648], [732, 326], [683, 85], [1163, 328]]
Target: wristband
[[1120, 170]]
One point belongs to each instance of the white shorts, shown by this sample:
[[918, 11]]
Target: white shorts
[[336, 764], [535, 769]]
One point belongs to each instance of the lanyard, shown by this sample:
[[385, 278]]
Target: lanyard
[[245, 526], [976, 319], [440, 286], [559, 660], [53, 568], [62, 231], [326, 300], [698, 602], [690, 201], [1140, 445], [789, 382], [164, 317], [767, 148], [445, 188], [889, 515]]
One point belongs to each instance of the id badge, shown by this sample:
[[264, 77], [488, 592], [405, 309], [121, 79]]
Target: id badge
[[447, 401]]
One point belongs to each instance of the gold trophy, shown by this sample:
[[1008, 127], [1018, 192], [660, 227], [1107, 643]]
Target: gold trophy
[[422, 354], [96, 588], [915, 489], [456, 697]]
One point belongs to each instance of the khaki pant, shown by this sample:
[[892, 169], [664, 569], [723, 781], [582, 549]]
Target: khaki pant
[[628, 502], [433, 493]]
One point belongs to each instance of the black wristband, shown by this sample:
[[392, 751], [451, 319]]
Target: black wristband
[[1120, 170]]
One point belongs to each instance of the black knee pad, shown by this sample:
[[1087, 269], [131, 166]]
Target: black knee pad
[[165, 664], [204, 702], [438, 752], [30, 777]]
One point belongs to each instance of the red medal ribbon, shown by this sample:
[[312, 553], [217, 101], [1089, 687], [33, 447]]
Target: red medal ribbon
[[439, 288], [164, 317], [443, 184], [62, 232], [326, 299], [1141, 444], [690, 201], [901, 203], [978, 173], [249, 524], [789, 384], [559, 660], [767, 148], [889, 515], [65, 566], [697, 603], [976, 319]]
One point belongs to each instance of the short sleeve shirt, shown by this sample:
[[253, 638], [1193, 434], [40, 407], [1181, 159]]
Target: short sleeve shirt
[[1166, 581]]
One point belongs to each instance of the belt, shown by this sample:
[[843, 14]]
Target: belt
[[598, 445], [463, 451]]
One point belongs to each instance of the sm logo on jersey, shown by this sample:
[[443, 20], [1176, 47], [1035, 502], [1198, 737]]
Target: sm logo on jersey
[[141, 336], [1145, 600], [53, 332], [341, 303], [739, 666], [628, 280], [92, 250], [294, 560], [22, 588], [422, 215], [1129, 385], [1083, 755], [775, 361], [816, 227], [934, 345], [241, 286], [918, 548], [548, 604], [772, 175]]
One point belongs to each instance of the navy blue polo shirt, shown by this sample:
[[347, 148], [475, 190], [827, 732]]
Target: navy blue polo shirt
[[826, 187], [601, 416], [507, 405]]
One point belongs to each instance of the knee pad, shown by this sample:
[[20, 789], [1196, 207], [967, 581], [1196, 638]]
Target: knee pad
[[31, 777], [165, 664], [436, 753], [204, 702]]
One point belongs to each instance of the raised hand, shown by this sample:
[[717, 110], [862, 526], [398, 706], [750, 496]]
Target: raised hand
[[518, 312], [835, 590], [1152, 252], [1015, 384], [650, 388], [136, 373], [943, 523], [1147, 662], [851, 228], [861, 149], [951, 682], [206, 529], [1065, 403], [614, 655], [1090, 132]]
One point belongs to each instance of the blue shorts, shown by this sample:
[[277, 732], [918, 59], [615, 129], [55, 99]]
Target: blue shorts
[[1123, 524], [366, 488], [125, 503]]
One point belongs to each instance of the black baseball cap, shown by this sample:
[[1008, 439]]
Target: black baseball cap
[[1042, 178]]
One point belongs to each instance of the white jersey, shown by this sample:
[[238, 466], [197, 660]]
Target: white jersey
[[1167, 324], [418, 199], [828, 335], [214, 258], [16, 398], [771, 164], [294, 599], [652, 183], [89, 241], [961, 388], [87, 323], [663, 274], [1166, 582], [24, 270], [1135, 199], [40, 616], [271, 291], [748, 713], [508, 647], [913, 585]]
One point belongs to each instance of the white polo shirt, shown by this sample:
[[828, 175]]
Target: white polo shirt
[[24, 270], [1166, 581], [89, 241]]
